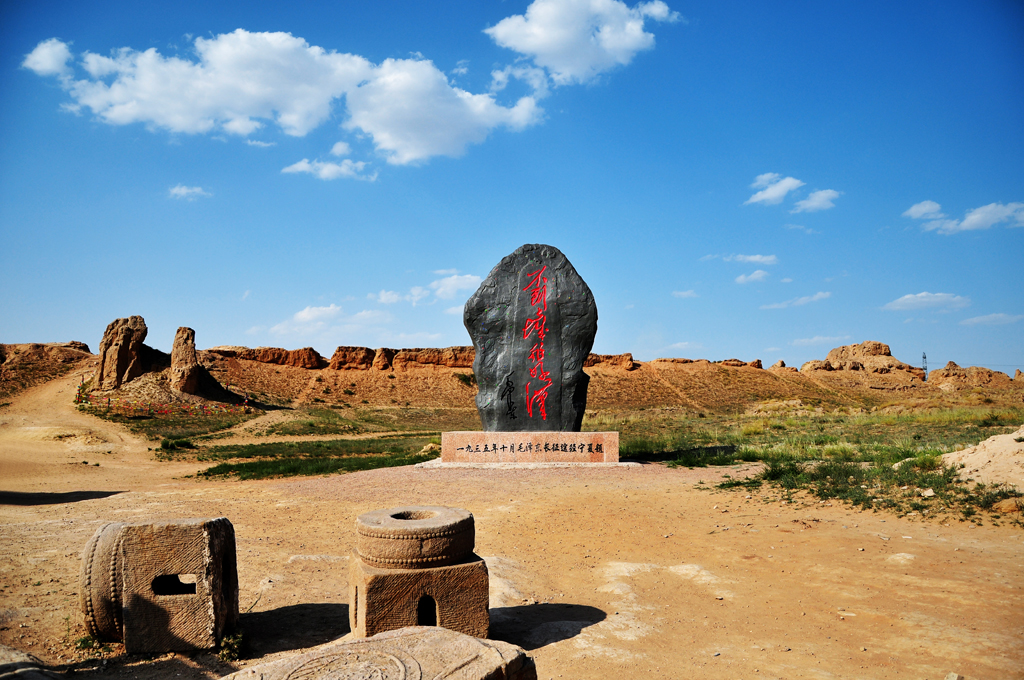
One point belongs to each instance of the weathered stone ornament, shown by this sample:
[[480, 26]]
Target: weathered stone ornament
[[415, 565], [161, 586], [532, 322], [414, 653]]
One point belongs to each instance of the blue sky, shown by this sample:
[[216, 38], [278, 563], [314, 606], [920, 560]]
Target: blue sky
[[751, 180]]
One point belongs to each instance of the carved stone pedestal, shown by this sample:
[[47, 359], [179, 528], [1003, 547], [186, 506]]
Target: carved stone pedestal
[[415, 566]]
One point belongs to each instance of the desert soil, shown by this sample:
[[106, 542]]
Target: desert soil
[[597, 572]]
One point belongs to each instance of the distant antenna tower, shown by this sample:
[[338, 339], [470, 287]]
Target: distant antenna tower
[[924, 364]]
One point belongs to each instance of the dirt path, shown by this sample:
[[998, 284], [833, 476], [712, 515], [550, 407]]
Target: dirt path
[[599, 573]]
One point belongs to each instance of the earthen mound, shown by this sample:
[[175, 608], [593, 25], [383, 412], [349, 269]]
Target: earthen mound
[[953, 377], [869, 364], [29, 364]]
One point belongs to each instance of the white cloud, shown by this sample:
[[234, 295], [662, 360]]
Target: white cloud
[[370, 316], [924, 210], [787, 280], [928, 301], [755, 259], [306, 321], [386, 297], [328, 170], [454, 310], [765, 179], [759, 275], [709, 257], [685, 345], [797, 302], [800, 227], [774, 188], [684, 294], [311, 314], [49, 58], [187, 193], [980, 218], [461, 67], [245, 296], [413, 113], [818, 200], [238, 77], [992, 320], [577, 40], [240, 80], [448, 287], [417, 293], [444, 272], [535, 78], [341, 149], [262, 145], [389, 297], [819, 340]]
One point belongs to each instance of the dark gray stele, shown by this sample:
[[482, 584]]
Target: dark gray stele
[[495, 317]]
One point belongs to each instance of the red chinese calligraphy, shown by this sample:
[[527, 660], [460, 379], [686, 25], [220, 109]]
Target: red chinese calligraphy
[[538, 289]]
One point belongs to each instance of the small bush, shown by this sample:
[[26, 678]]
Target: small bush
[[173, 444]]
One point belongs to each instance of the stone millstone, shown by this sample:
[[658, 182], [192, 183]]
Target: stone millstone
[[415, 536], [415, 653], [532, 322]]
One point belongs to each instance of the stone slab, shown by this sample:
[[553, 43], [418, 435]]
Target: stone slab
[[530, 447], [415, 653]]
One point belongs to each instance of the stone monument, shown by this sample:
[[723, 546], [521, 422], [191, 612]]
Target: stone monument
[[415, 566], [532, 322], [161, 586]]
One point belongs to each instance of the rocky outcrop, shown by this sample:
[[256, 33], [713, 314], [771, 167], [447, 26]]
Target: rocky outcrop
[[352, 358], [955, 377], [756, 363], [121, 353], [450, 357], [307, 357], [781, 367], [614, 360], [870, 357], [185, 368], [382, 358], [1018, 375]]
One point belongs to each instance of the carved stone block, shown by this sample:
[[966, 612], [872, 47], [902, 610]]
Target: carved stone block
[[453, 597], [415, 566], [161, 586]]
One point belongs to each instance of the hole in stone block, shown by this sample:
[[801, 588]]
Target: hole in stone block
[[414, 514], [426, 611], [174, 584]]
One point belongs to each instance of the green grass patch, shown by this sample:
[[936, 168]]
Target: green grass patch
[[316, 421], [289, 459], [320, 465], [173, 426], [317, 449]]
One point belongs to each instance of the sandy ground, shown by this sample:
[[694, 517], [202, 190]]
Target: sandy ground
[[997, 460], [597, 572]]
